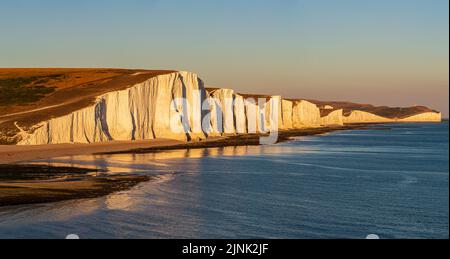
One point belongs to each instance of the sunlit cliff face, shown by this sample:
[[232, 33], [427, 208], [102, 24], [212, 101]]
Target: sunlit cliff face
[[178, 106]]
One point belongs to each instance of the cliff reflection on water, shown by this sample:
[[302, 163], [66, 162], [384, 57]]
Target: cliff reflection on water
[[393, 183], [132, 163]]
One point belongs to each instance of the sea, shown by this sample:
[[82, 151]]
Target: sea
[[389, 180]]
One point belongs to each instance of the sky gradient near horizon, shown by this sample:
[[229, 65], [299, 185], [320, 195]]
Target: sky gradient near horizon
[[384, 52]]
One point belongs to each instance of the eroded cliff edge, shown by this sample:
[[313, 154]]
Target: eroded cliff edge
[[177, 105]]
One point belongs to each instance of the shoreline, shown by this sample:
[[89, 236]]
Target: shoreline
[[239, 140], [22, 184], [11, 154]]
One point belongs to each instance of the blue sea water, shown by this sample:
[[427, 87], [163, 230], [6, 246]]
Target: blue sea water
[[390, 181]]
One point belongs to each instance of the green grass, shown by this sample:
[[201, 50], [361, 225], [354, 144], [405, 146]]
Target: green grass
[[25, 90]]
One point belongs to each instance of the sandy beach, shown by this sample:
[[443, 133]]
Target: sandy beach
[[17, 154]]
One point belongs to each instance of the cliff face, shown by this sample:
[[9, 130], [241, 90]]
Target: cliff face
[[287, 113], [335, 117], [382, 111], [274, 113], [177, 106], [424, 117], [305, 115], [148, 110], [239, 114], [364, 117], [223, 111], [252, 111]]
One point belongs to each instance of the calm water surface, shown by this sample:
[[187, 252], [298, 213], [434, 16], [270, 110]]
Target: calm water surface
[[393, 183]]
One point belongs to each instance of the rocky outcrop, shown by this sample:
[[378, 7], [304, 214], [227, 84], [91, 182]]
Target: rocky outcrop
[[305, 115], [332, 118]]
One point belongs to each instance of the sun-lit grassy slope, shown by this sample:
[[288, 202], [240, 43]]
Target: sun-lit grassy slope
[[29, 96]]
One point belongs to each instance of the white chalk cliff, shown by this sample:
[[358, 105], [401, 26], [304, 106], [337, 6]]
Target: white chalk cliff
[[177, 106], [287, 114], [335, 117], [239, 114], [305, 115], [364, 117], [224, 109], [424, 117], [152, 109]]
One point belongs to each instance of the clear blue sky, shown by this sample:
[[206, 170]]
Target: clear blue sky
[[392, 52]]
